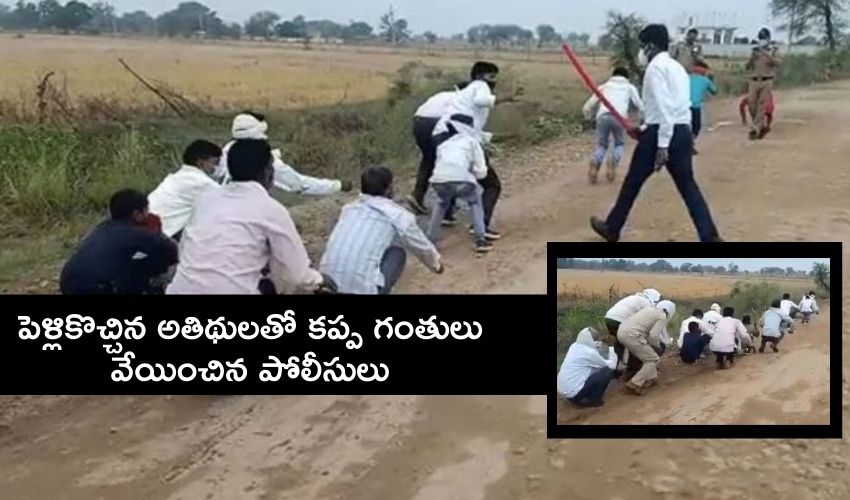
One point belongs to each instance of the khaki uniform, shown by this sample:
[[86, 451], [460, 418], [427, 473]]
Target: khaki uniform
[[686, 54], [640, 333], [763, 64]]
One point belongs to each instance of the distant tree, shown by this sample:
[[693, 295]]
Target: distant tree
[[733, 268], [623, 31], [820, 272], [578, 39], [430, 36], [357, 31], [605, 42], [103, 17], [73, 16], [48, 13], [261, 24], [686, 267], [296, 28], [478, 34], [698, 269], [137, 22], [789, 271], [393, 29], [661, 266], [827, 16], [546, 34], [194, 19], [25, 15]]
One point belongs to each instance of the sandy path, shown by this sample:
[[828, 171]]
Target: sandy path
[[791, 387], [794, 185]]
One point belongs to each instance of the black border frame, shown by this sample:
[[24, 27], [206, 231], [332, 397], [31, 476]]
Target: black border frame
[[833, 251]]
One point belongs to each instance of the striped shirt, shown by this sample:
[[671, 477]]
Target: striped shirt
[[367, 227]]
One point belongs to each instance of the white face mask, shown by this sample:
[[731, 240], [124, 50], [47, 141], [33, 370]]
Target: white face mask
[[642, 60]]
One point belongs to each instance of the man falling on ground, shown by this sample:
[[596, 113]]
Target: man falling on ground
[[763, 64]]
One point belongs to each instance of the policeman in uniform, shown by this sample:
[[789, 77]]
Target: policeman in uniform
[[763, 64], [688, 52]]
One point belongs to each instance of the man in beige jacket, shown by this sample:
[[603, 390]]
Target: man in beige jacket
[[641, 334]]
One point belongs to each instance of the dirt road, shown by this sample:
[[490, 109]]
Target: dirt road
[[791, 387], [794, 185]]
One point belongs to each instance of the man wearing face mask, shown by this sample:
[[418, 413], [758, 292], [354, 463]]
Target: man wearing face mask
[[763, 63], [664, 140]]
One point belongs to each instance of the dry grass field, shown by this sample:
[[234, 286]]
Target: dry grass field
[[246, 74], [584, 283]]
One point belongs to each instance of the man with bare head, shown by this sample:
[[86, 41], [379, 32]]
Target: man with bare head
[[688, 52]]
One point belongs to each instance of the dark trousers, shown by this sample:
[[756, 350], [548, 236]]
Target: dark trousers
[[772, 340], [696, 121], [680, 166], [594, 387], [492, 190], [722, 357], [423, 130], [392, 265]]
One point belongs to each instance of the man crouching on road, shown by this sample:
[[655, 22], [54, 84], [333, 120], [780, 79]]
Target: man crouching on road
[[641, 334]]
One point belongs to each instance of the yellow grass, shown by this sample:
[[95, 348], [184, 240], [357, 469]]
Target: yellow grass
[[243, 74], [584, 283]]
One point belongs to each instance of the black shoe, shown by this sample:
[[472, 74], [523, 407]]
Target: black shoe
[[763, 132], [775, 349], [483, 246], [753, 135], [761, 349], [448, 221], [601, 228], [695, 151]]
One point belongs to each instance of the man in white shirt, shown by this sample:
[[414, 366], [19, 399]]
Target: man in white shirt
[[729, 338], [460, 165], [808, 306], [174, 199], [367, 249], [696, 317], [424, 121], [238, 230], [585, 374], [476, 100], [665, 139], [771, 323], [641, 334], [712, 317], [250, 125], [623, 96], [620, 312], [790, 309]]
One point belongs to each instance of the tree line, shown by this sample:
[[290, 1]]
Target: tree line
[[194, 19], [663, 266]]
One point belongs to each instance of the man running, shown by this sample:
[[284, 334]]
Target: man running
[[622, 95], [665, 140], [763, 64]]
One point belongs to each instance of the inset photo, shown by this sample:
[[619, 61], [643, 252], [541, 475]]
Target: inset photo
[[696, 341]]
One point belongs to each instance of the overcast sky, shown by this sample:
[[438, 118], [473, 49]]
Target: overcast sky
[[746, 264], [447, 17]]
